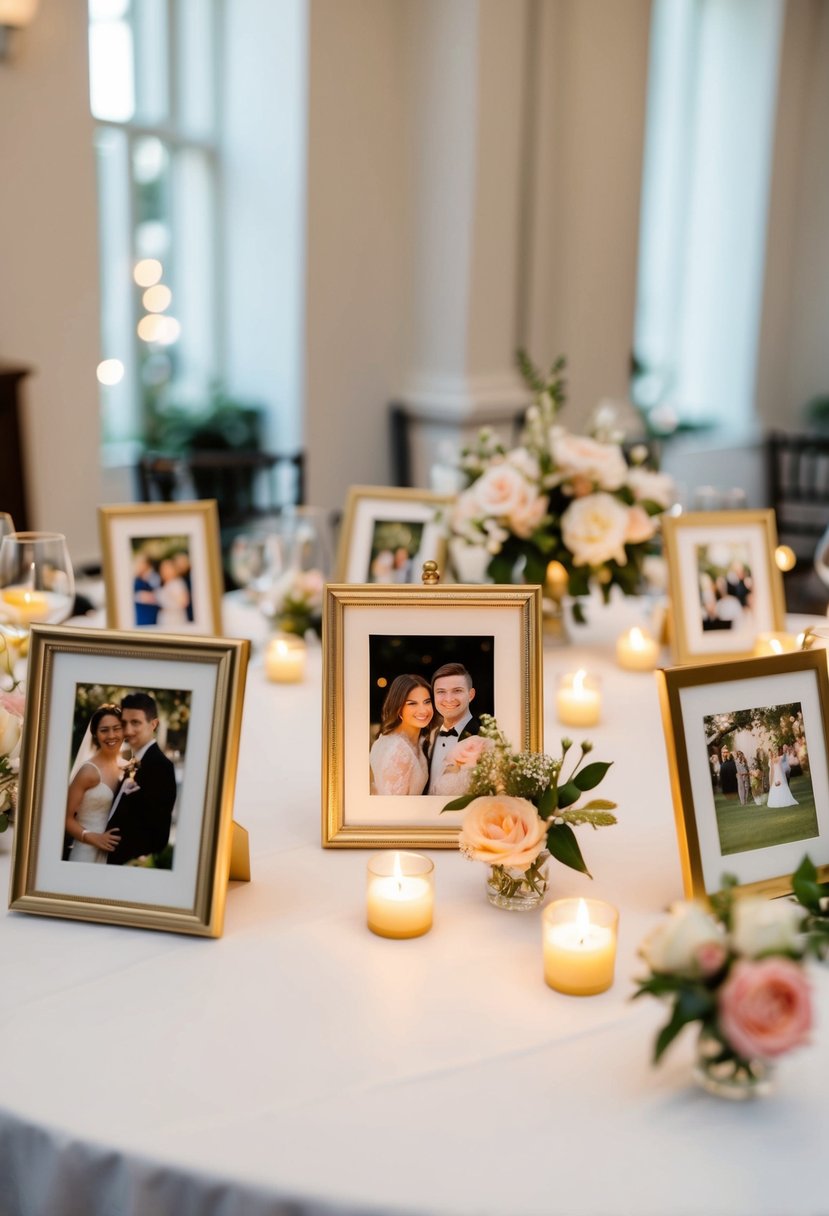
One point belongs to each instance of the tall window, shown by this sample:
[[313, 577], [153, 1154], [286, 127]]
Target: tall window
[[153, 90], [712, 96]]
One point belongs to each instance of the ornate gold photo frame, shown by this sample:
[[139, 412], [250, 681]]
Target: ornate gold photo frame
[[388, 533], [747, 745], [383, 647], [127, 777], [163, 566], [724, 584]]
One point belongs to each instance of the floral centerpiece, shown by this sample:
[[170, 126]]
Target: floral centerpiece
[[559, 497], [521, 810], [813, 896], [738, 972], [12, 703], [293, 603]]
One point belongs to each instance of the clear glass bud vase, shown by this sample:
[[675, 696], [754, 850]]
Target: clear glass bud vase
[[718, 1071], [518, 890]]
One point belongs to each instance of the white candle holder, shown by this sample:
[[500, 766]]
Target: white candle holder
[[400, 894]]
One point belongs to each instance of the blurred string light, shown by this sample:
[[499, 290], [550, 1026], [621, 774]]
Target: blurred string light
[[148, 272], [110, 371], [159, 329], [157, 298], [785, 557]]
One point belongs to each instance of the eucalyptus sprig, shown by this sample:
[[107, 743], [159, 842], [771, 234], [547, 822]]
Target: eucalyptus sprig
[[540, 779]]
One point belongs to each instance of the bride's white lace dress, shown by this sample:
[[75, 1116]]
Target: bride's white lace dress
[[397, 766], [779, 792], [92, 815]]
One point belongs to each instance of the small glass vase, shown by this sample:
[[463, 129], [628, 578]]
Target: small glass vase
[[724, 1075], [518, 890]]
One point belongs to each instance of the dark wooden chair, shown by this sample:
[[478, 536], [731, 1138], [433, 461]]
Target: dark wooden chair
[[798, 482]]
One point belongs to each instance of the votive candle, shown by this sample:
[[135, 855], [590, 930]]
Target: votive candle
[[285, 659], [579, 943], [636, 650], [579, 699], [400, 894], [774, 643]]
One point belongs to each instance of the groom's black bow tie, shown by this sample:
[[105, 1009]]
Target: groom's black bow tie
[[451, 731]]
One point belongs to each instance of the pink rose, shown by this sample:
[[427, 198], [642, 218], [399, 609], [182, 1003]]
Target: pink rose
[[526, 517], [468, 751], [14, 702], [640, 526], [502, 831], [578, 455], [710, 957], [500, 490], [765, 1007]]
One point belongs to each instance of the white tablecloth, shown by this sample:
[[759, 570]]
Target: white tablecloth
[[301, 1064]]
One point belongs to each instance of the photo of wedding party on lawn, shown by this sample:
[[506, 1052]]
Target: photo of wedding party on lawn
[[760, 779], [427, 695], [725, 587], [126, 771], [162, 582]]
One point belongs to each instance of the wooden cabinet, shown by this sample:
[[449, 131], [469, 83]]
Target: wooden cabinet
[[12, 472]]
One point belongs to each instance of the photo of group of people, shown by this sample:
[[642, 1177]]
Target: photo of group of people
[[162, 582], [126, 770], [725, 587], [427, 695], [395, 545], [760, 778]]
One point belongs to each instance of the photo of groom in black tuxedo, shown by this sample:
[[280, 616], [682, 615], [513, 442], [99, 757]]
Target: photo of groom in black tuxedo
[[452, 694], [142, 809]]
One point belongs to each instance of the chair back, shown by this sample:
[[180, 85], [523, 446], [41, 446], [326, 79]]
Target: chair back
[[798, 476]]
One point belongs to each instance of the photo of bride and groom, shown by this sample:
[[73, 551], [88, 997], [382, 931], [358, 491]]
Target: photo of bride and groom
[[162, 582], [425, 727], [726, 587], [120, 810], [760, 779]]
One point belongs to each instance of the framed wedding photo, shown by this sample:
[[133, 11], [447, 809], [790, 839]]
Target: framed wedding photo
[[127, 777], [724, 584], [388, 533], [408, 671], [163, 566], [747, 744]]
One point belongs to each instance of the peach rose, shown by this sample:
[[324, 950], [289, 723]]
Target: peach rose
[[765, 1008], [500, 490], [578, 455], [594, 529], [502, 831], [641, 526], [525, 518]]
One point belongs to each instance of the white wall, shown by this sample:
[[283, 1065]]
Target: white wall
[[49, 267]]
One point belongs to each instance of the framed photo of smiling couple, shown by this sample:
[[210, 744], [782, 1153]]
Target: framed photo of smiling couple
[[408, 671], [127, 776]]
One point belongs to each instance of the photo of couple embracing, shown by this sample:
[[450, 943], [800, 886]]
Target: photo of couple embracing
[[121, 809], [428, 732]]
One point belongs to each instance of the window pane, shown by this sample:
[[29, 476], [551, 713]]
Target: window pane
[[111, 83], [194, 292], [152, 52], [196, 22]]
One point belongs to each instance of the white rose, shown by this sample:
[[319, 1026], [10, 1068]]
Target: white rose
[[648, 486], [500, 490], [580, 456], [525, 462], [11, 728], [641, 526], [766, 926], [524, 520], [594, 529], [673, 944], [465, 510]]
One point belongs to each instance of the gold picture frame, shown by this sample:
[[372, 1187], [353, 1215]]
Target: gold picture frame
[[384, 522], [372, 634], [704, 550], [159, 535], [197, 689], [757, 824]]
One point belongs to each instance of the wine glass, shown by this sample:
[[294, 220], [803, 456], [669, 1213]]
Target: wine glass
[[6, 524], [37, 582]]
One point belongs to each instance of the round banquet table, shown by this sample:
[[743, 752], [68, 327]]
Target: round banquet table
[[302, 1065]]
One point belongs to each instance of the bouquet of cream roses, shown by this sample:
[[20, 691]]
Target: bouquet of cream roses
[[293, 603], [522, 809], [738, 972], [559, 497]]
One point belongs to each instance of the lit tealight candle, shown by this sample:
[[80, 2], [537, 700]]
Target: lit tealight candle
[[400, 894], [25, 606], [578, 701], [579, 939], [285, 659], [636, 650], [774, 643]]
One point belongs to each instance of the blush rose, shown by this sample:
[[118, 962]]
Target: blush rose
[[503, 831], [765, 1008]]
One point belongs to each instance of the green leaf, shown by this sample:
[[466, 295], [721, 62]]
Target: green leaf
[[459, 803], [562, 844], [807, 890], [591, 775], [599, 804], [692, 1005], [568, 794], [500, 568], [547, 802]]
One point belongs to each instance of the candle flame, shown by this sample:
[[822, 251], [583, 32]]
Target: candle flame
[[637, 638], [582, 921], [397, 872], [281, 646], [578, 681]]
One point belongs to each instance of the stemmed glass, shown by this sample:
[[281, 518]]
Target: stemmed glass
[[37, 582]]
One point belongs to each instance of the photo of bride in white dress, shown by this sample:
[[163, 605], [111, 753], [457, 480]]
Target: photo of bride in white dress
[[398, 755], [96, 775], [779, 792]]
